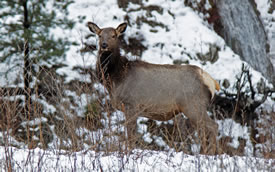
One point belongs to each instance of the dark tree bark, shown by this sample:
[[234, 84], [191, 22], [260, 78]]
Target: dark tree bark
[[27, 64]]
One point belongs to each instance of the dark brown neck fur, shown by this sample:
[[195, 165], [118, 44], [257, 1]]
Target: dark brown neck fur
[[111, 67]]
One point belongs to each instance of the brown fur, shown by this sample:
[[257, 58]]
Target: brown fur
[[155, 91]]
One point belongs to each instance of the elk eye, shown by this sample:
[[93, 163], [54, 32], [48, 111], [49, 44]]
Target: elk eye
[[113, 36]]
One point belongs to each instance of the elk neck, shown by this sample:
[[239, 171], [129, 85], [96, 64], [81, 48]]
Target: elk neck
[[111, 66]]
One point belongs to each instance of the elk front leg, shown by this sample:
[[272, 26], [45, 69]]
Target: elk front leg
[[131, 127]]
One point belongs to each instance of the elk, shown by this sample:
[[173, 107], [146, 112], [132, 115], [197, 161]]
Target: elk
[[155, 91]]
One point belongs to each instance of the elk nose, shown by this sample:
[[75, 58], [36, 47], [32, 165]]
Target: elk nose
[[104, 45]]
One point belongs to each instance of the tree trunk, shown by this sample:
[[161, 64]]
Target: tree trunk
[[27, 64]]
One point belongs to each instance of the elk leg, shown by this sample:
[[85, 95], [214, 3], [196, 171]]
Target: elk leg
[[131, 127], [208, 137], [206, 127]]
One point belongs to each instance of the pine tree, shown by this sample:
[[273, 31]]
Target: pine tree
[[26, 34]]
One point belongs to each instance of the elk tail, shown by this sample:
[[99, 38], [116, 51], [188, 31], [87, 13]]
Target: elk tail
[[217, 85], [210, 82]]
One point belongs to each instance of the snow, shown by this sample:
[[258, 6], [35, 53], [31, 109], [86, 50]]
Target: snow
[[138, 160], [15, 72], [34, 122], [269, 23], [81, 101], [228, 127]]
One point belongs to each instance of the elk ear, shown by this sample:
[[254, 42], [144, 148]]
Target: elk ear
[[93, 28], [121, 28]]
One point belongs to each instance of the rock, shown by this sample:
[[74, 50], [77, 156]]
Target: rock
[[244, 32]]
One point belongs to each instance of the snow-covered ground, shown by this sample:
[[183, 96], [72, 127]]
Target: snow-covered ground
[[138, 160]]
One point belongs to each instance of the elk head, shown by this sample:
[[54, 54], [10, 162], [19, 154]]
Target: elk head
[[109, 58], [108, 37]]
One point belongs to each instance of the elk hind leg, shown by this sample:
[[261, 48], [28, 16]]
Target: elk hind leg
[[206, 127]]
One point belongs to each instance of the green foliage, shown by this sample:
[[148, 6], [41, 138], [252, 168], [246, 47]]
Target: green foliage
[[44, 18]]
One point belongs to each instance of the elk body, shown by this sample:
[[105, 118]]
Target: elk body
[[154, 91]]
